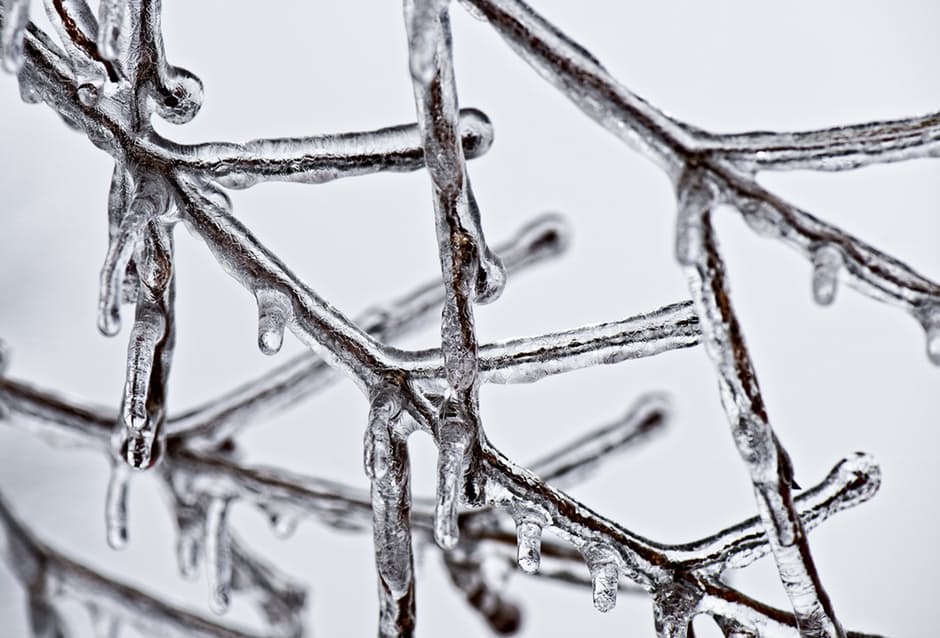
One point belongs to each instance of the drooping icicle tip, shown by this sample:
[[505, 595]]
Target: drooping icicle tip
[[116, 505], [931, 323], [450, 477], [604, 564], [453, 441], [827, 262], [189, 543], [218, 555], [529, 545], [274, 312]]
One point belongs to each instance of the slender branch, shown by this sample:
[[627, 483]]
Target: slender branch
[[46, 573], [766, 460]]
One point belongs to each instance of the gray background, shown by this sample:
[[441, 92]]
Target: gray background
[[850, 377]]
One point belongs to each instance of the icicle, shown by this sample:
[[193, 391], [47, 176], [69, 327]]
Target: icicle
[[452, 442], [827, 261], [377, 445], [189, 543], [274, 311], [150, 201], [15, 19], [529, 541], [116, 505], [218, 555], [110, 17], [930, 318], [149, 330], [4, 356], [604, 564]]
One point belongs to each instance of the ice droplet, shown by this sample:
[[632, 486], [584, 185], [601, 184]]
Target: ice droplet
[[933, 345], [930, 320], [827, 261], [88, 94], [218, 555], [16, 17], [529, 545], [283, 523], [110, 16], [605, 575], [116, 505], [274, 312], [189, 544]]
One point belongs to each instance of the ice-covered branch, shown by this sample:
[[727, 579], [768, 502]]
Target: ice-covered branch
[[727, 158], [836, 148], [313, 160], [543, 238], [197, 478], [47, 575], [767, 461], [110, 76]]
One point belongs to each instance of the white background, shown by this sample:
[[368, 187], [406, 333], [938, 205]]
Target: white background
[[850, 377]]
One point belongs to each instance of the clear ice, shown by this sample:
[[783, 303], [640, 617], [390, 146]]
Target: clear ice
[[109, 75]]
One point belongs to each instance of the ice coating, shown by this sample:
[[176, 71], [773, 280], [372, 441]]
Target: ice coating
[[111, 75], [149, 201], [529, 539], [194, 477], [15, 19], [603, 563], [110, 22]]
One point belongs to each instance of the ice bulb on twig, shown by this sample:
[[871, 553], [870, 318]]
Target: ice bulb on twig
[[827, 261], [273, 314]]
